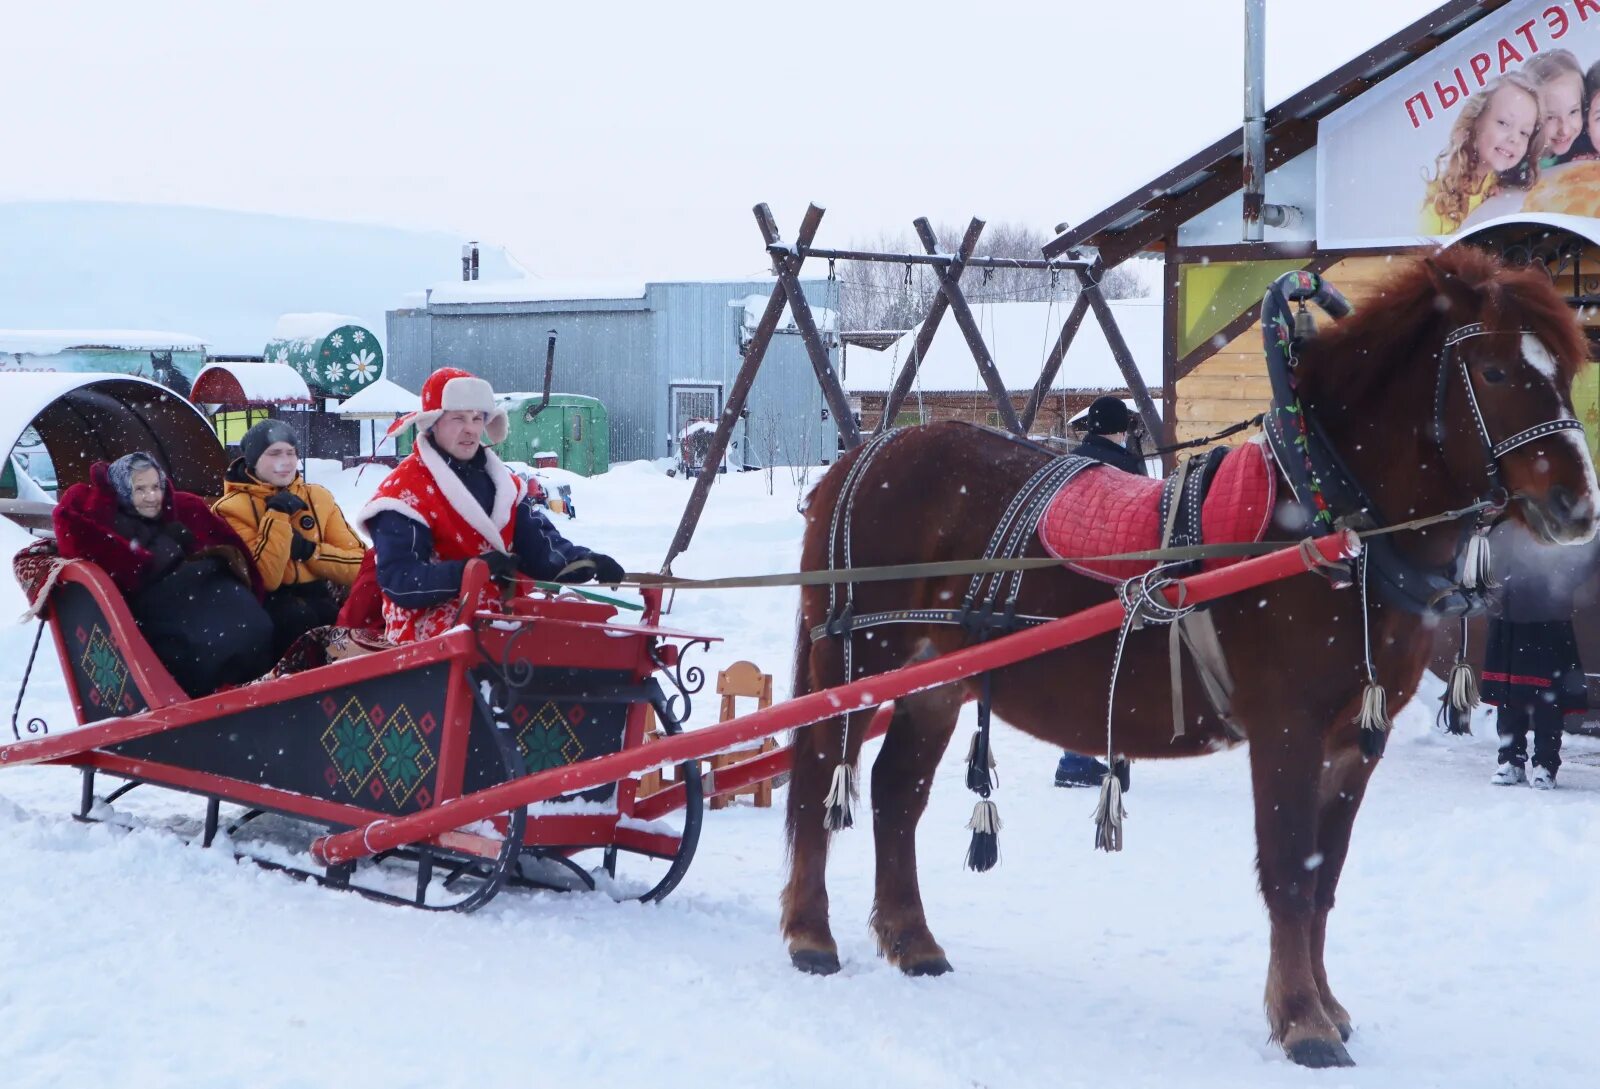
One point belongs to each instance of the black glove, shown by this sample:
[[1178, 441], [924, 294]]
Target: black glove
[[301, 548], [607, 571], [285, 502], [180, 535], [501, 565]]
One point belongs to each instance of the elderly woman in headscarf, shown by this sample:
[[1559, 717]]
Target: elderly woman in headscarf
[[187, 577]]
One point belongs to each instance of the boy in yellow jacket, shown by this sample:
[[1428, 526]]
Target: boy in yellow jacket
[[297, 535]]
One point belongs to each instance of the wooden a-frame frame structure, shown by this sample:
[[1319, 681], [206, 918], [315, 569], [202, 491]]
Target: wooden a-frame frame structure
[[787, 258]]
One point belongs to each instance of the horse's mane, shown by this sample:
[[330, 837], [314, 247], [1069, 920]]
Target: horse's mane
[[1395, 336]]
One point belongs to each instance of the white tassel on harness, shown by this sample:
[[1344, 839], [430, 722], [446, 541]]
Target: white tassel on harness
[[1476, 568], [1463, 687], [839, 805], [984, 851], [1373, 718], [1109, 814]]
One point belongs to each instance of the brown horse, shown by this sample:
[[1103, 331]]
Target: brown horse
[[936, 492]]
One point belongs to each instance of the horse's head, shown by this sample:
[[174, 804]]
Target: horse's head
[[1502, 402]]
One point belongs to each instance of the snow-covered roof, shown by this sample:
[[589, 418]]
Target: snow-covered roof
[[1019, 334], [138, 414], [532, 289], [52, 341], [311, 326], [755, 305], [250, 384], [380, 400]]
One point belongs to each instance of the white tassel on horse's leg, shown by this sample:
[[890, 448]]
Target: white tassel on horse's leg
[[984, 850], [1109, 814], [1373, 720], [839, 805]]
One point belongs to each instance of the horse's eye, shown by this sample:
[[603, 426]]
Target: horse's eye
[[1493, 374]]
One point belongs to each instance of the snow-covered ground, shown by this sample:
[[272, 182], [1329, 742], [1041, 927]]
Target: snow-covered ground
[[1463, 943]]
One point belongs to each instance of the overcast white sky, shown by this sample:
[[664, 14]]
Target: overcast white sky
[[618, 138]]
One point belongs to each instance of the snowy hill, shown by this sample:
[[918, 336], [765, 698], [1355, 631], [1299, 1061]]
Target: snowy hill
[[222, 276]]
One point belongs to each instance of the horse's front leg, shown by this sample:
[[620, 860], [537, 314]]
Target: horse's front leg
[[1285, 772], [901, 776], [816, 753], [1344, 783]]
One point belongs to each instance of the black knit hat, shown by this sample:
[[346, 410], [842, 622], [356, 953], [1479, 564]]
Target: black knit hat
[[1108, 416], [262, 435]]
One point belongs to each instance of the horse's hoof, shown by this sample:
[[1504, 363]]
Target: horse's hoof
[[1319, 1054], [933, 966], [816, 962], [1344, 1030]]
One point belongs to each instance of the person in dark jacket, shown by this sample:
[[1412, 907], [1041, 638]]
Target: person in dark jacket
[[187, 577], [1532, 674], [1109, 425], [453, 500]]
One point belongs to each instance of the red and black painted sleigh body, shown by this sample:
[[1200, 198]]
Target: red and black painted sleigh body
[[550, 681]]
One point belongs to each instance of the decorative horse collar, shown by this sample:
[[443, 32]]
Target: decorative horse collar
[[1328, 493]]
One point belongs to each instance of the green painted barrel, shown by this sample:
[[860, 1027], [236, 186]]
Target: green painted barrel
[[336, 355]]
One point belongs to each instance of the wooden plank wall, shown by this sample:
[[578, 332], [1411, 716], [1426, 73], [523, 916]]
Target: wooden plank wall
[[1232, 385]]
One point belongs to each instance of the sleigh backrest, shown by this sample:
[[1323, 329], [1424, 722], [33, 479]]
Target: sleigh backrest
[[109, 667]]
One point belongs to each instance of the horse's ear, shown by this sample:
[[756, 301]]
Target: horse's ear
[[1451, 292]]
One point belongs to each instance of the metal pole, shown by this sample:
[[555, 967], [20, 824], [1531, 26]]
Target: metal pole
[[1255, 116], [1027, 263]]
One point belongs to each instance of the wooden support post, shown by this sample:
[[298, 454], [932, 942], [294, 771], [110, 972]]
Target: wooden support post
[[754, 352], [1052, 363], [1119, 350], [787, 268], [925, 332], [950, 286]]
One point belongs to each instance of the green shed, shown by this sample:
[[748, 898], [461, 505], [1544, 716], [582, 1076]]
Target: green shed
[[575, 428], [573, 432]]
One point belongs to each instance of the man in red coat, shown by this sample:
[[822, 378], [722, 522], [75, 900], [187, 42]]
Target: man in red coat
[[187, 577], [452, 500]]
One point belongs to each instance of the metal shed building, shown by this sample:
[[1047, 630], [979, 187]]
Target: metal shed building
[[657, 355]]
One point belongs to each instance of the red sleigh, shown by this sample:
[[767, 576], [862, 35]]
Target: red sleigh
[[549, 682]]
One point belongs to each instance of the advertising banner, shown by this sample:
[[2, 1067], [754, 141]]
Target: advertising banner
[[1501, 119]]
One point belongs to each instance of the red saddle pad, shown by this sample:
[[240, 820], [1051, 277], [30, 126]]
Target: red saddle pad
[[1104, 510]]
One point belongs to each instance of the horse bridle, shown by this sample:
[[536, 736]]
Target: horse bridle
[[1492, 451]]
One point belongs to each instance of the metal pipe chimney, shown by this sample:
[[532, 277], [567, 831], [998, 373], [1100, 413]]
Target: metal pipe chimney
[[1257, 212], [1255, 116]]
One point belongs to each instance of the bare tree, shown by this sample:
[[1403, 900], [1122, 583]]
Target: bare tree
[[876, 295]]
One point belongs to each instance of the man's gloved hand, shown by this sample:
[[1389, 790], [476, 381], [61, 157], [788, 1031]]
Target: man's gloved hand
[[501, 565], [180, 535], [607, 571], [301, 548], [285, 502]]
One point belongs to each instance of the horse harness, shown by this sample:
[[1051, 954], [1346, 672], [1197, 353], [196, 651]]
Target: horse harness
[[1329, 493], [989, 607]]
